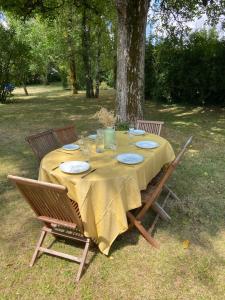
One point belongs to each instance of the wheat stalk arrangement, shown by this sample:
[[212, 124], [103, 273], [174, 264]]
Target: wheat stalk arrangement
[[105, 117]]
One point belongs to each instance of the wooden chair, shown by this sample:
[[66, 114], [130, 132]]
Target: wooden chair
[[60, 215], [151, 195], [42, 143], [65, 135], [150, 126]]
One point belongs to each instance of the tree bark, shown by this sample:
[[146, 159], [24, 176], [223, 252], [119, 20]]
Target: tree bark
[[86, 55], [98, 65], [132, 18], [71, 51], [45, 77], [25, 89]]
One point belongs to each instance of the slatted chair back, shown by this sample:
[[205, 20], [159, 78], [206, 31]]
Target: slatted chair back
[[49, 202], [60, 215], [154, 127], [152, 197], [65, 135], [42, 143]]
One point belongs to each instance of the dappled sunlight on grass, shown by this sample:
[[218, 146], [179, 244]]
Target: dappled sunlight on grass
[[192, 112], [217, 129], [135, 270], [185, 123], [167, 108], [193, 152]]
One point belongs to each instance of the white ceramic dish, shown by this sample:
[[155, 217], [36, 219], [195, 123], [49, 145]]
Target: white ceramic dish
[[136, 131], [74, 167], [92, 136], [130, 158], [71, 147], [147, 144]]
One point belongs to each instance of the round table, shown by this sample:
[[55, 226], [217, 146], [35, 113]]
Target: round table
[[105, 195]]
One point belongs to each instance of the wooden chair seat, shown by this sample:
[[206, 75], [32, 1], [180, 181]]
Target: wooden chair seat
[[59, 214]]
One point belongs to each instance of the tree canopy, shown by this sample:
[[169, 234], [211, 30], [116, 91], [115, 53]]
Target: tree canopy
[[82, 43]]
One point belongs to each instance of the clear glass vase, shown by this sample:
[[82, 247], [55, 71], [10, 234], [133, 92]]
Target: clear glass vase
[[109, 137]]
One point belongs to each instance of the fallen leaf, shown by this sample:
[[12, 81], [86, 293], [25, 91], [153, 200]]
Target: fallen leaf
[[186, 244]]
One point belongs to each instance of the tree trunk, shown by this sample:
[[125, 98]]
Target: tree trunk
[[45, 76], [132, 17], [63, 75], [86, 55], [98, 65], [25, 89], [114, 71], [71, 52], [115, 58]]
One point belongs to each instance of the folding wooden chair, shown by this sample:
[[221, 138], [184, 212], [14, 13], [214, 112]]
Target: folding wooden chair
[[42, 143], [150, 196], [60, 215], [65, 135], [150, 126]]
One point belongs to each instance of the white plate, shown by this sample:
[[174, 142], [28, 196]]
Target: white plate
[[92, 136], [74, 167], [137, 131], [130, 158], [71, 147], [147, 144]]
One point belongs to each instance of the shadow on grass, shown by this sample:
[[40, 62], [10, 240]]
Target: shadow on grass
[[198, 181]]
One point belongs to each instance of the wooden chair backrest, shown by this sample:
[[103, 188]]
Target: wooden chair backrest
[[42, 143], [154, 127], [49, 201], [65, 135]]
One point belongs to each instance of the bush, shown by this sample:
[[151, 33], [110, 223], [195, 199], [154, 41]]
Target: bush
[[120, 126], [191, 72]]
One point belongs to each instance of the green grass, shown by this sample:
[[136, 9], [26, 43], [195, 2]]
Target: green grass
[[134, 270]]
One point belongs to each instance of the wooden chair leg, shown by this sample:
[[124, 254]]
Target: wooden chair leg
[[39, 243], [83, 259], [143, 231], [172, 193], [158, 215], [160, 211]]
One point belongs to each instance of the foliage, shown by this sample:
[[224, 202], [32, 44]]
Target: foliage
[[172, 16], [53, 31], [14, 60], [191, 71], [120, 126]]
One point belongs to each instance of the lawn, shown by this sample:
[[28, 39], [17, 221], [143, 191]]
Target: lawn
[[133, 269]]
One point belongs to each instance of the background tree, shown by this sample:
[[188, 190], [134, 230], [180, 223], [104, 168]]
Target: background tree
[[14, 60]]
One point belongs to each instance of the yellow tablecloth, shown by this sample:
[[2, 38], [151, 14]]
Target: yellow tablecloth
[[105, 195]]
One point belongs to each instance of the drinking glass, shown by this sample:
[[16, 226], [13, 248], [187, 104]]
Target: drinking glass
[[131, 127], [80, 141], [114, 147], [86, 150], [100, 141]]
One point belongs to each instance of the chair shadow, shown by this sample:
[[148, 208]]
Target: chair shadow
[[132, 235], [77, 244]]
